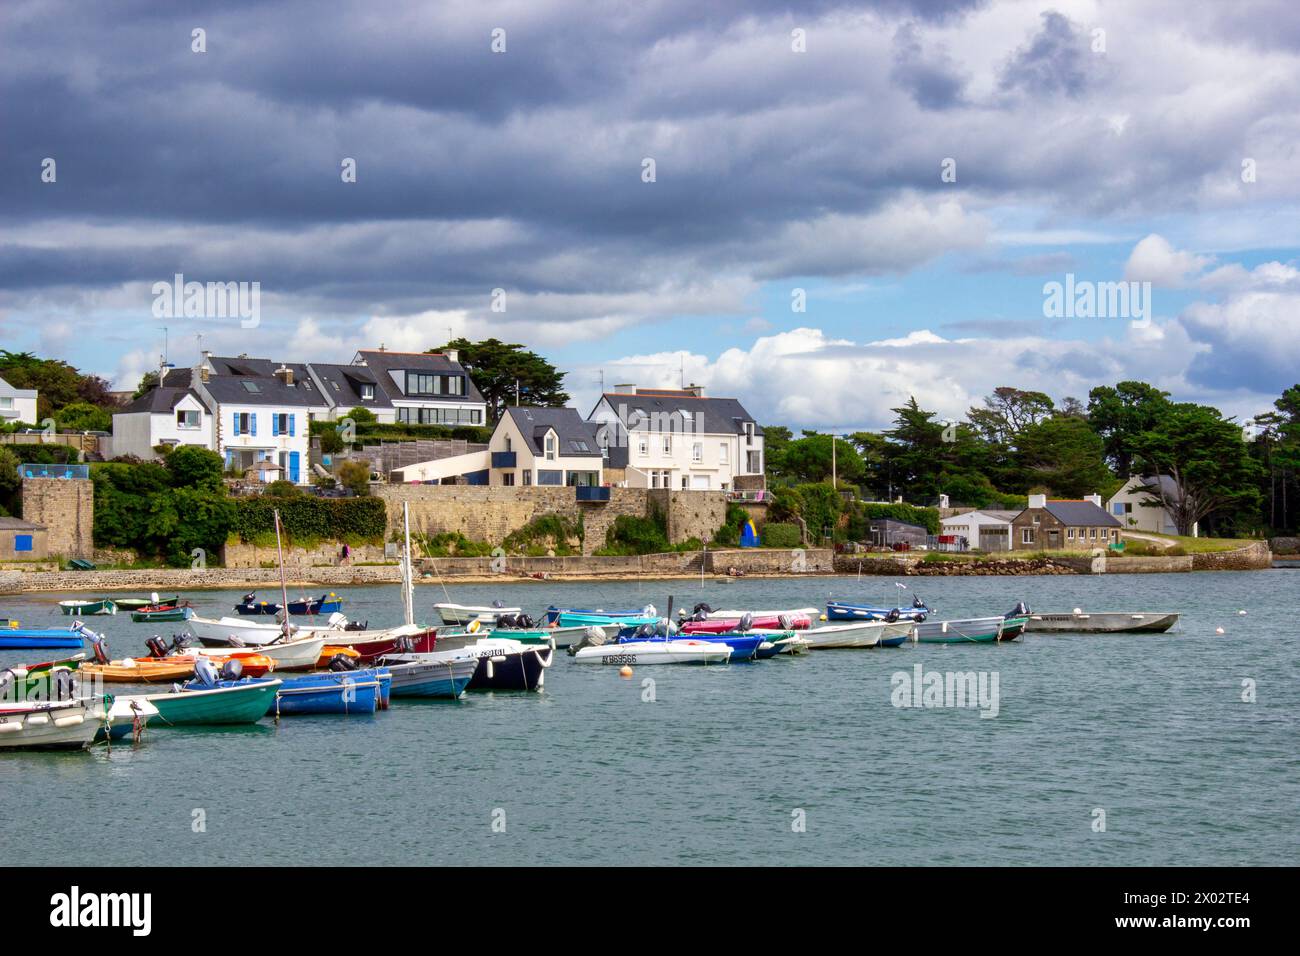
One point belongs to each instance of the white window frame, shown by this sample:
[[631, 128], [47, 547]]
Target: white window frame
[[724, 453], [181, 423], [697, 451], [1026, 535], [668, 445]]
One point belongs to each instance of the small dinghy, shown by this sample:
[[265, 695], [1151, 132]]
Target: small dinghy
[[243, 703], [973, 630], [13, 636], [329, 603], [347, 692], [1103, 622], [500, 663], [849, 611], [424, 678], [126, 717], [298, 654], [159, 613], [87, 608], [153, 600], [464, 613]]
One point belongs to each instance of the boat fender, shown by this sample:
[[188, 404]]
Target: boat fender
[[474, 626], [232, 669]]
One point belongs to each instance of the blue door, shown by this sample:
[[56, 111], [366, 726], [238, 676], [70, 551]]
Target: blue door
[[293, 466]]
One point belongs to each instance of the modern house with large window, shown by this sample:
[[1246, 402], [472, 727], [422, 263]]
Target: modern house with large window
[[17, 404], [678, 439], [424, 388], [545, 446]]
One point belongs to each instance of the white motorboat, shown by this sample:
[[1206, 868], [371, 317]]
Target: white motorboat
[[811, 613], [502, 664], [852, 634], [61, 725], [299, 654], [464, 613], [669, 651], [218, 632]]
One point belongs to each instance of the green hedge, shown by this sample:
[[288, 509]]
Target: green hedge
[[779, 535], [309, 517]]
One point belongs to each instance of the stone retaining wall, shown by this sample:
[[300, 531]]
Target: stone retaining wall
[[1253, 557]]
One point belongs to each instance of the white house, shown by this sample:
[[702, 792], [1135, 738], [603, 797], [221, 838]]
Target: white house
[[17, 404], [162, 416], [988, 530], [1129, 505], [545, 446], [670, 438], [261, 423]]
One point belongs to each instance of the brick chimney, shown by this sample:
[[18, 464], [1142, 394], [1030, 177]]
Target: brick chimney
[[693, 389], [284, 374]]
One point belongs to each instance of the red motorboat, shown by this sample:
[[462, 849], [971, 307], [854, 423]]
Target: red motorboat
[[371, 649]]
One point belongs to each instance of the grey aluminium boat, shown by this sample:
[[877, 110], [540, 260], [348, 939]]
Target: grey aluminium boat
[[1103, 622]]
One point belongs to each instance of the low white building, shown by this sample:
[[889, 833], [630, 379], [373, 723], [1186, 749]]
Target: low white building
[[162, 416], [677, 438], [987, 530], [17, 404], [1139, 510]]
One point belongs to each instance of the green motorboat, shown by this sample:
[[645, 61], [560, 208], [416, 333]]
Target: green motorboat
[[242, 704], [84, 608], [150, 614]]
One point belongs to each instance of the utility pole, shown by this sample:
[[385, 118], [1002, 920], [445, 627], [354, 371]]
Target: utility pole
[[835, 480]]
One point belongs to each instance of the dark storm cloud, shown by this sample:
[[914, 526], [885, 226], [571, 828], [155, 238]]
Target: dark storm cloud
[[931, 77], [1054, 60]]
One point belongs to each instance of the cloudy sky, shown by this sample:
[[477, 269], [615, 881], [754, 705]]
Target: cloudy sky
[[914, 170]]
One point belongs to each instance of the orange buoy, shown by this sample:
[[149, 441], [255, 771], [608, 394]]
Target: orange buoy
[[625, 671]]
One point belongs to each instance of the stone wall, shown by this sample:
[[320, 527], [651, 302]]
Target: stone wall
[[491, 512], [1285, 545], [1250, 558], [242, 555], [66, 507], [1155, 564], [908, 565]]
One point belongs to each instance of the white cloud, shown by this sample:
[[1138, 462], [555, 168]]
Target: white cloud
[[1154, 260]]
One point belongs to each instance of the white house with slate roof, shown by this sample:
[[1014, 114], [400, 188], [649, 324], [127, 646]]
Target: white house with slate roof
[[162, 416], [678, 439], [544, 446]]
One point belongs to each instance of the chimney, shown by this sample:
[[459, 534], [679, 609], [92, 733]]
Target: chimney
[[453, 355], [943, 501], [693, 389], [204, 373], [1095, 499], [628, 388], [1038, 501], [284, 374]]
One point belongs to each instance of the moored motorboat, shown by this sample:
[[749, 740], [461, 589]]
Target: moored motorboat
[[50, 725], [722, 625], [424, 678], [974, 630], [13, 636], [141, 670], [576, 616], [124, 716], [155, 614], [243, 703], [153, 600], [856, 634], [298, 654], [329, 603], [501, 664], [1103, 622], [657, 651]]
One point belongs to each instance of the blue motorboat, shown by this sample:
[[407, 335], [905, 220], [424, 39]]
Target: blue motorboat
[[336, 692], [13, 636], [325, 604], [845, 611], [744, 647]]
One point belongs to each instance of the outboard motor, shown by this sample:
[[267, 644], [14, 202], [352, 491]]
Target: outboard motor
[[1020, 610], [661, 627], [232, 669], [591, 637], [917, 602], [205, 673], [250, 597], [784, 621], [650, 611], [497, 604], [525, 621], [357, 625], [920, 618], [892, 616], [746, 622], [99, 646], [157, 648], [179, 643], [702, 608], [699, 616], [644, 630], [341, 662], [505, 621]]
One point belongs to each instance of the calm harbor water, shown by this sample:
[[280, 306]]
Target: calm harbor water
[[1152, 729]]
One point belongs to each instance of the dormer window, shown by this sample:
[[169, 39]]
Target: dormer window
[[367, 392], [550, 446]]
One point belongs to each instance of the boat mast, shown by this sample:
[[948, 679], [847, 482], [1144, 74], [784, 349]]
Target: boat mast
[[284, 590], [408, 574]]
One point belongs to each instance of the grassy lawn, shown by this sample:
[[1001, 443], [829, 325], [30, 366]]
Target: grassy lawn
[[1200, 545]]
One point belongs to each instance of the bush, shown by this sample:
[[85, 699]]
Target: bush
[[545, 533], [927, 518], [307, 517], [194, 467], [355, 477], [778, 535], [728, 536], [786, 503], [632, 535], [282, 488], [451, 544]]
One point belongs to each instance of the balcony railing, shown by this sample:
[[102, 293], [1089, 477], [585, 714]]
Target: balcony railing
[[503, 459]]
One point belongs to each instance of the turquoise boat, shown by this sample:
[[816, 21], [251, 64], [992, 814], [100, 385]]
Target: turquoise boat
[[242, 704], [596, 619]]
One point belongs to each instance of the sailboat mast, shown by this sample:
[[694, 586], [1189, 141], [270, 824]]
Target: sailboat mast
[[408, 598], [284, 590]]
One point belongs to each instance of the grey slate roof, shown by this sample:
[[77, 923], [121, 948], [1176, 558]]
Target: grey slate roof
[[18, 524], [569, 427], [1081, 514], [717, 416], [159, 401], [382, 363], [231, 377], [342, 385]]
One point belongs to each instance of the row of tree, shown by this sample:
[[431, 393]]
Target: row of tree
[[75, 401], [1228, 477]]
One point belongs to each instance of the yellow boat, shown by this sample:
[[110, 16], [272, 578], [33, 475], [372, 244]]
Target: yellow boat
[[329, 653], [144, 670]]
